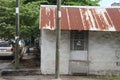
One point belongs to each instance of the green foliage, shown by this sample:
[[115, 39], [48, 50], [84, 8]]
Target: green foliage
[[29, 18], [77, 2], [7, 17], [115, 78], [29, 15]]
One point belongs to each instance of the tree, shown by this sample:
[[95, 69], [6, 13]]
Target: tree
[[7, 17], [29, 15], [77, 2]]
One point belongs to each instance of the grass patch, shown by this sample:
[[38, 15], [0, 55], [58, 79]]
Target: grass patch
[[115, 78]]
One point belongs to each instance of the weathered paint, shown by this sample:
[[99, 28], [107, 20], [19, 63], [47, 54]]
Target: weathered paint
[[103, 54], [78, 61], [48, 43], [103, 47], [81, 18]]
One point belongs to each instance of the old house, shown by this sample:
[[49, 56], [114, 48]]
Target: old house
[[115, 4], [90, 40]]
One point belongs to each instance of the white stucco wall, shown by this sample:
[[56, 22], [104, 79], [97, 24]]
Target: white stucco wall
[[48, 47], [103, 51]]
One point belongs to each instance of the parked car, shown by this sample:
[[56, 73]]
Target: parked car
[[6, 49]]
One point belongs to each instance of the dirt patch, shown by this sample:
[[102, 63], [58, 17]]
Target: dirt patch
[[30, 63]]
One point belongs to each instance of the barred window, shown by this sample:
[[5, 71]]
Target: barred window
[[79, 40]]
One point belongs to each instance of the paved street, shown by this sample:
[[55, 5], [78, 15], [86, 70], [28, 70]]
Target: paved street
[[29, 70], [43, 77]]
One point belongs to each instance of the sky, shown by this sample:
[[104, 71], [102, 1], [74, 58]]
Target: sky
[[108, 2]]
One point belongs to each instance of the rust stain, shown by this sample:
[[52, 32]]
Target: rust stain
[[114, 15], [43, 20], [68, 19], [98, 19], [82, 28], [91, 21], [94, 18], [104, 26], [64, 20], [75, 18], [108, 19], [81, 18], [86, 19]]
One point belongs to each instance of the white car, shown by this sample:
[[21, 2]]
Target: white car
[[6, 49]]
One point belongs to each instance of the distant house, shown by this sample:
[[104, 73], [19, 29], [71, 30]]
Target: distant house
[[115, 4], [90, 40]]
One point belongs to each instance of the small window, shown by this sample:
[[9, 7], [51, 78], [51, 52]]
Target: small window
[[79, 40], [4, 44]]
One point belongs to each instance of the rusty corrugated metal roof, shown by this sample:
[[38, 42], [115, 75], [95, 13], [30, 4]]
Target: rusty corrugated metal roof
[[81, 18]]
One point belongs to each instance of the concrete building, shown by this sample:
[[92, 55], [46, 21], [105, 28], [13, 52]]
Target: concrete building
[[115, 4], [90, 40]]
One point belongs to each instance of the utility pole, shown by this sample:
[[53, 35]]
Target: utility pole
[[58, 33], [17, 36]]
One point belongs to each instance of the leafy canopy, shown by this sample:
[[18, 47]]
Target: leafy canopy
[[29, 15]]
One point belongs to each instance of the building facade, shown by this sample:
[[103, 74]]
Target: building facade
[[89, 40], [115, 4]]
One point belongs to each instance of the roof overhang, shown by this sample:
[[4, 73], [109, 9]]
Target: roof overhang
[[81, 18]]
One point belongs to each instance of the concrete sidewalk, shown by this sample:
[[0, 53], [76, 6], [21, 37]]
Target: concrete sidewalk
[[46, 77]]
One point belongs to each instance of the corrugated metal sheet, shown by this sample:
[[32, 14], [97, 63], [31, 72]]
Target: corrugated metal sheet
[[81, 18]]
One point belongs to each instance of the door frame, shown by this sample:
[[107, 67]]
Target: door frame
[[87, 49]]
